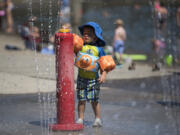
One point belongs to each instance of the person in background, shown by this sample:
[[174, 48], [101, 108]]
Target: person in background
[[30, 35], [178, 20], [8, 9], [159, 52], [177, 57], [161, 14], [2, 14], [119, 40]]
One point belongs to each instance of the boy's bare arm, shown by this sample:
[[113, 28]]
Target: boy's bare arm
[[102, 78]]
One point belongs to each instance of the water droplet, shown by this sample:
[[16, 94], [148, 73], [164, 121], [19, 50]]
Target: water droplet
[[133, 103], [142, 85]]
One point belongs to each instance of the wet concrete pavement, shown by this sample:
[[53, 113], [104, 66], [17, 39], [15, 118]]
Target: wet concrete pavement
[[124, 112], [138, 102], [134, 110]]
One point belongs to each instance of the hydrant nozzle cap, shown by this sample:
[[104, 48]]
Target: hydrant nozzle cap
[[64, 30]]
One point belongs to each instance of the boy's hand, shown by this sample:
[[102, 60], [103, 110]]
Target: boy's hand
[[102, 78]]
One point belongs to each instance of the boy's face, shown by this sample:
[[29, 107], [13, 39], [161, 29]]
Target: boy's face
[[89, 35]]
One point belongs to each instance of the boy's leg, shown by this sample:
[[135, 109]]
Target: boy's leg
[[81, 109], [96, 109], [121, 50]]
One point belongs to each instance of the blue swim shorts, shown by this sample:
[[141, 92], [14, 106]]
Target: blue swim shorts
[[119, 46]]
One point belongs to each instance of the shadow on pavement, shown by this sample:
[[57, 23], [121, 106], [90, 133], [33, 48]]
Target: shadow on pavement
[[150, 84], [169, 103]]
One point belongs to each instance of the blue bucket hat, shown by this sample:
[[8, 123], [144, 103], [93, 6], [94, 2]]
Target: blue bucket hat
[[98, 32]]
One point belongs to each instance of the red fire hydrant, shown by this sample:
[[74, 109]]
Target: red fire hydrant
[[65, 82]]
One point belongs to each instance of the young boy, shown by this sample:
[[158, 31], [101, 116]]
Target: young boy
[[88, 82]]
